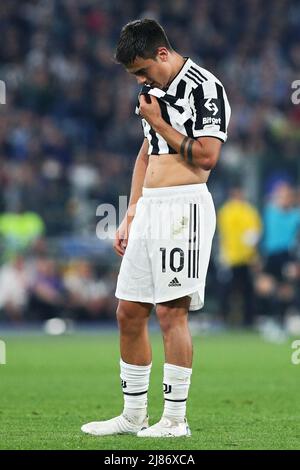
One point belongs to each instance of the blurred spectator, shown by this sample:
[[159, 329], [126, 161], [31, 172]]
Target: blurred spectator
[[240, 228], [14, 290], [88, 296], [47, 293], [19, 231], [281, 226], [281, 231]]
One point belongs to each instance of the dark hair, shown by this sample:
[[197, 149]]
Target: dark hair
[[140, 38]]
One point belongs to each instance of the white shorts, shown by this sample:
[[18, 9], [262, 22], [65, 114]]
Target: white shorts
[[169, 246]]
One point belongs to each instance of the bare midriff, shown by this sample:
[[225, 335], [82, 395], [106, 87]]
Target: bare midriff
[[172, 170]]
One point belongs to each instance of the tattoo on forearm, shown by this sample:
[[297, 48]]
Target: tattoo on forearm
[[187, 155], [182, 146]]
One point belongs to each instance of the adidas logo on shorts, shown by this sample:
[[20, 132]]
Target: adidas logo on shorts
[[174, 283]]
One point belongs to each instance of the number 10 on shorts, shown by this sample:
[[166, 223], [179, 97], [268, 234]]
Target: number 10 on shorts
[[174, 259]]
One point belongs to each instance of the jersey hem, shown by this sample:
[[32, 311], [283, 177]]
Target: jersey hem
[[178, 295], [133, 298]]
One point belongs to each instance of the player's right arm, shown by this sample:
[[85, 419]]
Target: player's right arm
[[138, 178]]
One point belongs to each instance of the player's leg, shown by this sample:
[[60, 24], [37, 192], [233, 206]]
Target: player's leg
[[136, 357], [133, 319], [173, 319], [179, 259], [135, 365]]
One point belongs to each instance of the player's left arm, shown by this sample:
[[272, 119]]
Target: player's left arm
[[202, 152]]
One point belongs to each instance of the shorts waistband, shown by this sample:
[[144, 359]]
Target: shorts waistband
[[175, 190]]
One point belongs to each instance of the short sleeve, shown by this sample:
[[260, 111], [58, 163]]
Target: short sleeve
[[211, 110]]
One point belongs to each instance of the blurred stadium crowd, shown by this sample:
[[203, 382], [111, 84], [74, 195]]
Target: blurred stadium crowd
[[69, 138]]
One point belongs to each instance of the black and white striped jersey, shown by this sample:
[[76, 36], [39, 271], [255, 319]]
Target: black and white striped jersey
[[195, 103]]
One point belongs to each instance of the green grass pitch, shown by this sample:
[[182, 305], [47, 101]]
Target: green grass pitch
[[244, 393]]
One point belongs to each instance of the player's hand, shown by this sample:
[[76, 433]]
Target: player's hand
[[121, 237], [150, 111]]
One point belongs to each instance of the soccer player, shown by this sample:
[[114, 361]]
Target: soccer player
[[165, 238]]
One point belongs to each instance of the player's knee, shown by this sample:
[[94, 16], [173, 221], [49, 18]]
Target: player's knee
[[124, 315], [170, 318], [128, 320]]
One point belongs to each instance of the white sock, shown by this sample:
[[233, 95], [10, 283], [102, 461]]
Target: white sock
[[135, 384], [177, 381]]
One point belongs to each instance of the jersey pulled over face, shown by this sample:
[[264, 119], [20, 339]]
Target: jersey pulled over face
[[194, 103]]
